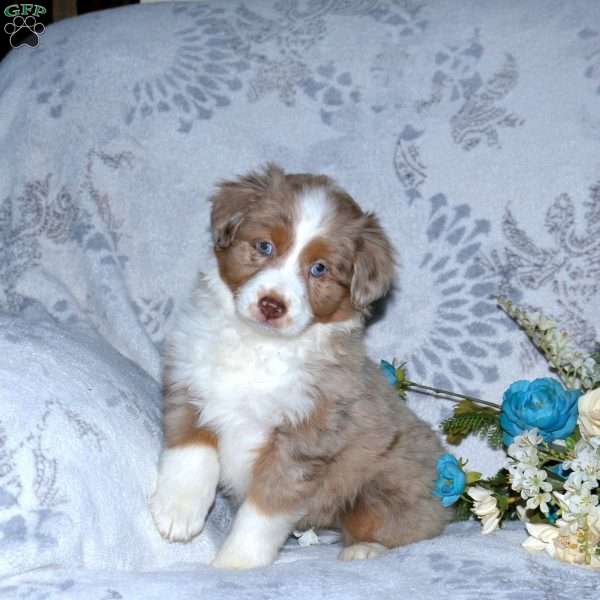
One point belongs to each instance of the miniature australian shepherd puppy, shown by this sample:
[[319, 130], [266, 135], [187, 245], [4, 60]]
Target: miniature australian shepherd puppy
[[268, 389]]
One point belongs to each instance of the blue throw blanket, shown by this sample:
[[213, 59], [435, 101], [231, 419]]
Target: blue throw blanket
[[471, 128]]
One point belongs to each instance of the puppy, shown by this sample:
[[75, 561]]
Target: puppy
[[268, 389]]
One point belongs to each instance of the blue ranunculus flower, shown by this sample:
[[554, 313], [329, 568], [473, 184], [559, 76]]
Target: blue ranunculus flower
[[542, 403], [451, 480], [389, 371]]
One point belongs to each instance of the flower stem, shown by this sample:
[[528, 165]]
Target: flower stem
[[428, 389]]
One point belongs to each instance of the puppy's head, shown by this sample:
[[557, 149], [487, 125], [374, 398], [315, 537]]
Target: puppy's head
[[297, 250]]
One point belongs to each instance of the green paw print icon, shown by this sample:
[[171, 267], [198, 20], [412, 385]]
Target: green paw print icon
[[24, 31]]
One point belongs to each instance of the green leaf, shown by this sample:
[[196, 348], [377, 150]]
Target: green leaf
[[464, 407], [537, 517], [401, 379], [471, 419], [462, 510], [473, 476], [502, 500], [499, 480], [401, 373], [572, 440], [401, 389]]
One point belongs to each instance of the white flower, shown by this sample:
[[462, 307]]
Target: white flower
[[479, 494], [568, 550], [524, 455], [595, 442], [593, 522], [540, 499], [519, 474], [306, 538], [587, 459], [563, 545], [580, 483], [541, 538], [534, 488], [522, 513], [544, 323], [582, 504], [577, 545], [524, 448], [485, 507], [589, 414], [531, 437], [534, 481], [490, 523], [576, 504], [522, 467], [531, 483], [568, 521]]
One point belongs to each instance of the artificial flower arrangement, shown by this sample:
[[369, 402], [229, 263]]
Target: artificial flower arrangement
[[550, 430]]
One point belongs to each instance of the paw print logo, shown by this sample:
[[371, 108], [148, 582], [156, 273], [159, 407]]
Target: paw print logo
[[24, 31]]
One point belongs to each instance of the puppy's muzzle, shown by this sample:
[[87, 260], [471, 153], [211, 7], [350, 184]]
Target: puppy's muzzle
[[272, 308]]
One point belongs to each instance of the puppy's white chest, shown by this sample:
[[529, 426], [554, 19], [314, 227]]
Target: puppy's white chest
[[249, 361], [248, 385]]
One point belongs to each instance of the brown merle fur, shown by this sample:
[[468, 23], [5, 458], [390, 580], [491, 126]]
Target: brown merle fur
[[362, 460], [263, 206]]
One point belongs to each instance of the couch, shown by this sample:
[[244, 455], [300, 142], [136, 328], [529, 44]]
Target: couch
[[471, 128]]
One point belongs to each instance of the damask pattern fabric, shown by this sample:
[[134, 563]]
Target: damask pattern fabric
[[79, 445], [471, 128], [485, 567]]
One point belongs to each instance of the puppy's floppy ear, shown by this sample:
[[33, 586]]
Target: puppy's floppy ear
[[233, 200], [373, 265]]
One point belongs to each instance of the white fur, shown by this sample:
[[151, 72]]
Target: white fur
[[246, 382], [286, 280], [315, 207], [255, 539], [362, 551], [187, 482], [248, 378]]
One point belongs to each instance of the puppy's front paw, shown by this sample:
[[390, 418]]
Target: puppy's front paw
[[230, 557], [185, 491], [255, 538], [362, 550], [179, 516]]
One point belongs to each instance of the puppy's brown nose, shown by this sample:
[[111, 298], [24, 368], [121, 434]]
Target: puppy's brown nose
[[271, 308]]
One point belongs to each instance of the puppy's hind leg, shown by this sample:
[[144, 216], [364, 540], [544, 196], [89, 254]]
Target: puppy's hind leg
[[380, 521], [361, 526], [362, 550]]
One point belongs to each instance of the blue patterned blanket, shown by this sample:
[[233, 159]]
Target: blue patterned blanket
[[472, 129]]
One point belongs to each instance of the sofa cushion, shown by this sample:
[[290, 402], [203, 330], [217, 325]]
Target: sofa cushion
[[80, 436]]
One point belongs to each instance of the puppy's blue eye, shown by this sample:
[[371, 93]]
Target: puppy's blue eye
[[264, 247], [318, 269]]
